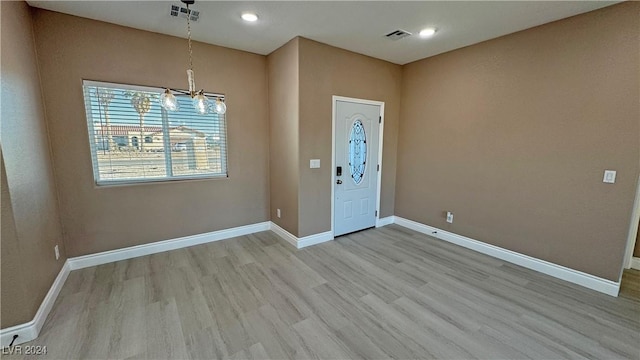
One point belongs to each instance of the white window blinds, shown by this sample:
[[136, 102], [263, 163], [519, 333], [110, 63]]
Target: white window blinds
[[133, 139]]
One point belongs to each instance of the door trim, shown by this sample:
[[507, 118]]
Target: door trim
[[334, 101]]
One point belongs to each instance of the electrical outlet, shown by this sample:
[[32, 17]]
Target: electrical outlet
[[449, 217], [278, 214], [55, 248]]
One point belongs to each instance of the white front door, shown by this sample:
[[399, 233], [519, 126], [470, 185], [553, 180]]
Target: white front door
[[357, 130]]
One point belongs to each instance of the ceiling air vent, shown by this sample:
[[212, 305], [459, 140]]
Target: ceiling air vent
[[179, 11], [397, 35]]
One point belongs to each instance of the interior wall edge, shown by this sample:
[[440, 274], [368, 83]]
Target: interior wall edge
[[63, 251]]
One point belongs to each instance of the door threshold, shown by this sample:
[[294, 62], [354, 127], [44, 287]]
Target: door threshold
[[357, 231]]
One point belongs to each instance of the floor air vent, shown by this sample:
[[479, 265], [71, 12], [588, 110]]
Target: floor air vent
[[397, 35], [179, 11]]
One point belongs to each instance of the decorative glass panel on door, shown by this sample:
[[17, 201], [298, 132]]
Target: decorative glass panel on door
[[357, 151]]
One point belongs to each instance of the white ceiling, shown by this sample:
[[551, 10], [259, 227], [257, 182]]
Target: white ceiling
[[358, 26]]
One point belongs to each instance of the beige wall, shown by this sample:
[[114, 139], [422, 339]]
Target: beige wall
[[326, 71], [284, 172], [97, 219], [13, 287], [30, 220], [513, 136]]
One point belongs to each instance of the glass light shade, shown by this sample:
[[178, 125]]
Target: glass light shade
[[201, 103], [168, 101], [219, 107]]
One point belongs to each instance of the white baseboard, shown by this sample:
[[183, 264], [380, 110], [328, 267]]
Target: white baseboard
[[105, 257], [635, 263], [29, 331], [289, 237], [385, 221], [314, 239], [574, 276], [302, 242]]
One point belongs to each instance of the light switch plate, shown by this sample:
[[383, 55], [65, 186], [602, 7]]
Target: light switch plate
[[314, 163], [609, 176]]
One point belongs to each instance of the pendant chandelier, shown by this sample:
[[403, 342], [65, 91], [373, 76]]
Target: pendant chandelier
[[201, 103]]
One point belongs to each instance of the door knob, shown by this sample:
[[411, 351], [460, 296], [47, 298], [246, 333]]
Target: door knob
[[338, 181]]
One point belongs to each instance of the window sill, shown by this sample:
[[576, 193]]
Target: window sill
[[121, 183]]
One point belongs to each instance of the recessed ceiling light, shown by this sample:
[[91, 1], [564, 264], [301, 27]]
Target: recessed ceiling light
[[428, 32], [251, 17]]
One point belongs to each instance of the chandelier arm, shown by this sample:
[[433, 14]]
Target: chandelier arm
[[185, 92], [181, 92]]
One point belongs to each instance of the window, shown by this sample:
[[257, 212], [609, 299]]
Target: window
[[118, 140], [133, 139], [357, 151]]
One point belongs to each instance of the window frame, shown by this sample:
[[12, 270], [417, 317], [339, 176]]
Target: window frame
[[165, 129]]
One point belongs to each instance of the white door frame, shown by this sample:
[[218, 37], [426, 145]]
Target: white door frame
[[334, 102], [633, 230]]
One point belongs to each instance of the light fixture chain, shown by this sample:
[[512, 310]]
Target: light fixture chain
[[189, 37]]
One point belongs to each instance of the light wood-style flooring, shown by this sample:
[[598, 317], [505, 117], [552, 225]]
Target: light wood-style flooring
[[381, 293]]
